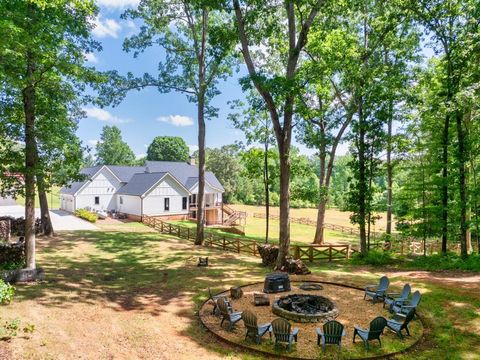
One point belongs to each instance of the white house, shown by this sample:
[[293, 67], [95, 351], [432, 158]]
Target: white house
[[160, 188]]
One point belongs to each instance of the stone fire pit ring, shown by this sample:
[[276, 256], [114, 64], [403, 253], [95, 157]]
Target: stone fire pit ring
[[326, 309]]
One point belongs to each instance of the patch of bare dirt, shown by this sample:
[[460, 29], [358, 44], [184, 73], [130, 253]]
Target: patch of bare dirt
[[353, 310]]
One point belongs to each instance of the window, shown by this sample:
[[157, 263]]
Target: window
[[97, 200], [166, 204], [184, 203], [121, 200]]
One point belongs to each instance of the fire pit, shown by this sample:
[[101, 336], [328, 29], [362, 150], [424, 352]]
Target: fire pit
[[305, 308]]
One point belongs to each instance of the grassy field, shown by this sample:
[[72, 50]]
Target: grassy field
[[300, 234], [332, 216], [53, 198], [130, 293]]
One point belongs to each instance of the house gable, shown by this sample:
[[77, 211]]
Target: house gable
[[209, 189]]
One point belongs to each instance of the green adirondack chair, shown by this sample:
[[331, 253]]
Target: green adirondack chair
[[377, 326], [398, 326], [377, 291], [332, 333], [283, 334], [397, 298], [254, 331], [402, 309], [227, 313], [214, 299]]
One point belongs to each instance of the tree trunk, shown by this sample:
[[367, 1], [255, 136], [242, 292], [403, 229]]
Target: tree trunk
[[389, 171], [46, 221], [201, 133], [445, 184], [267, 189], [201, 174], [47, 227], [322, 204], [28, 95], [475, 205], [461, 158], [284, 236], [362, 181]]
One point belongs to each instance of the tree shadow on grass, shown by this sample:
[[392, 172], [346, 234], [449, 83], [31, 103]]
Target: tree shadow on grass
[[131, 271]]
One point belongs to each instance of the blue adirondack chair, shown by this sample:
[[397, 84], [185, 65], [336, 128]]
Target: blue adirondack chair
[[214, 299], [397, 298], [227, 313], [376, 328], [332, 333], [398, 326], [283, 334], [377, 291], [254, 331], [402, 309]]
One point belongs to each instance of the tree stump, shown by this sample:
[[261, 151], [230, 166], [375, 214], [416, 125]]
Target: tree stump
[[236, 292], [202, 261], [261, 299]]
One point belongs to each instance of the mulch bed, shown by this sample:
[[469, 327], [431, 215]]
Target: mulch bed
[[353, 310]]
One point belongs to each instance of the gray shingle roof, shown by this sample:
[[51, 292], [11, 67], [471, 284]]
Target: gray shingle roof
[[184, 173], [75, 186], [140, 183], [125, 173]]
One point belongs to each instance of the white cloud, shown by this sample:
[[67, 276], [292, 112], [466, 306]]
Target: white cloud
[[105, 28], [139, 156], [103, 115], [118, 4], [176, 120], [91, 58], [192, 148], [93, 142]]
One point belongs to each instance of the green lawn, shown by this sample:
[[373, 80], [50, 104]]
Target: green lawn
[[53, 198], [300, 234], [133, 293]]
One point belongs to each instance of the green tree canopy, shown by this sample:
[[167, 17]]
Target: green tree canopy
[[168, 148], [112, 150]]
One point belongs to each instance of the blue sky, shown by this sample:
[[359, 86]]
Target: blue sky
[[147, 113]]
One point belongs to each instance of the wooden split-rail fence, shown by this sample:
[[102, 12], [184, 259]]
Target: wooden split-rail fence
[[306, 221], [240, 245]]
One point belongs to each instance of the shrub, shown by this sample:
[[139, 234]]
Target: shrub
[[6, 292], [374, 258], [86, 215], [450, 261], [10, 329], [12, 255]]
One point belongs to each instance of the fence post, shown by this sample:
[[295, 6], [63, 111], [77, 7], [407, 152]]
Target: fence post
[[296, 252], [348, 251], [179, 231], [223, 242], [170, 228], [330, 253], [238, 245], [254, 248], [401, 247], [310, 253]]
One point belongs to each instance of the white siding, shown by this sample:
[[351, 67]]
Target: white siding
[[153, 203], [66, 202], [208, 190], [104, 185], [132, 205]]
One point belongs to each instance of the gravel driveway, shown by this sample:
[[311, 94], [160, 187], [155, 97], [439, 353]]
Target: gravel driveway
[[61, 220]]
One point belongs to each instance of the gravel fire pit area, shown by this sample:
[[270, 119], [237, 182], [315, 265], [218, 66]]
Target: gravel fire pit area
[[342, 303]]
